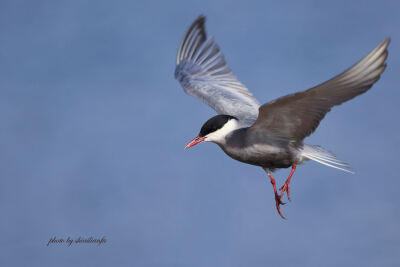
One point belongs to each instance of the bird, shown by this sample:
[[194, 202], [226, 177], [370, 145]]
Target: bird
[[270, 135]]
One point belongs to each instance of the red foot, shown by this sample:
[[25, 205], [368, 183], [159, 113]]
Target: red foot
[[278, 200], [285, 187]]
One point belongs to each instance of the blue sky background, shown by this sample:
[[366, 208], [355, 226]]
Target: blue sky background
[[93, 127]]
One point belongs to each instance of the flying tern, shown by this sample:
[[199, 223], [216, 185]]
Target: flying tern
[[271, 135]]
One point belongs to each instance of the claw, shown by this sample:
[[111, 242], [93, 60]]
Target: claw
[[279, 202], [285, 188]]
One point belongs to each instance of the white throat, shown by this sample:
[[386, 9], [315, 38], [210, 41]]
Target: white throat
[[220, 135]]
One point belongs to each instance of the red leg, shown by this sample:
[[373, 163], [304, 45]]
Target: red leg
[[278, 200], [285, 187]]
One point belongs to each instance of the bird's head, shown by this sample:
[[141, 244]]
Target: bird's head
[[215, 130]]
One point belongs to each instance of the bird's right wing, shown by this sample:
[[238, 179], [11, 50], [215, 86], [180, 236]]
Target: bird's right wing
[[203, 73], [296, 116]]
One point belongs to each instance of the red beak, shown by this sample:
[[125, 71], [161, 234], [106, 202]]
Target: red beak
[[195, 141]]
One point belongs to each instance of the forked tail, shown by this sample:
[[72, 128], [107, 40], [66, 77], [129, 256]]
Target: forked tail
[[323, 156]]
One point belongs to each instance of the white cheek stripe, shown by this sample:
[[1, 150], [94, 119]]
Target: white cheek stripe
[[219, 135]]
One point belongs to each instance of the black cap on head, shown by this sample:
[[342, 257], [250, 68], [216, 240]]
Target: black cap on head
[[214, 124]]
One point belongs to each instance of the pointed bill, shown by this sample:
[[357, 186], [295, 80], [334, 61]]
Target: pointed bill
[[195, 141]]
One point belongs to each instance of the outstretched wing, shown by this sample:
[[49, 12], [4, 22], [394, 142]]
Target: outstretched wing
[[296, 116], [202, 71]]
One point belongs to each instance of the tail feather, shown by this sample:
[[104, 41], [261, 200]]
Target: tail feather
[[323, 156]]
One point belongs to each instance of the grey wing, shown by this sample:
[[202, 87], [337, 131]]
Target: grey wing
[[203, 73], [296, 116]]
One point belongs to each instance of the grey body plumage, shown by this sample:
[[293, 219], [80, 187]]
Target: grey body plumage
[[254, 148]]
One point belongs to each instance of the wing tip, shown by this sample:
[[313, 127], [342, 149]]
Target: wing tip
[[198, 23], [387, 41], [382, 48], [200, 19]]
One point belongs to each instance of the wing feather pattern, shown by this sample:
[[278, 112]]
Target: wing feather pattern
[[203, 73], [296, 116]]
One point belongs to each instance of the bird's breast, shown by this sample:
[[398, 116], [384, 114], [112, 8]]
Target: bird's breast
[[264, 155]]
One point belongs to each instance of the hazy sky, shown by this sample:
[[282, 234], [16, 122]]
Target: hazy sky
[[93, 127]]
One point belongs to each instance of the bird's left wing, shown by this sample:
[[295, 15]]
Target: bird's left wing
[[203, 73], [296, 116]]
